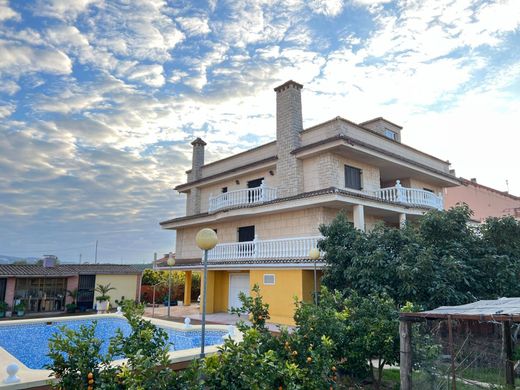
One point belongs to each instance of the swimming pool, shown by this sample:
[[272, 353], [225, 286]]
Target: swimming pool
[[29, 342]]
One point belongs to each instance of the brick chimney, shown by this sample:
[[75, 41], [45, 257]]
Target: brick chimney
[[289, 125], [197, 161]]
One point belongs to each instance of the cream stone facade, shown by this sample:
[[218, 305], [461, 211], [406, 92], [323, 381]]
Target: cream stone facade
[[267, 204]]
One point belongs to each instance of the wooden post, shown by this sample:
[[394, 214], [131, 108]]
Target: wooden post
[[452, 354], [508, 353], [405, 361]]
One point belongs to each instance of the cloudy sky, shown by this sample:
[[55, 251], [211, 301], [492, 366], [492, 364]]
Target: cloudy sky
[[100, 99]]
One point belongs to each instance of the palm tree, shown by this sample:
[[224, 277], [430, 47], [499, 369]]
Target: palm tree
[[73, 294], [103, 291]]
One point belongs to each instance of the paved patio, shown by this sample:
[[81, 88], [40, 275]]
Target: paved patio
[[179, 313]]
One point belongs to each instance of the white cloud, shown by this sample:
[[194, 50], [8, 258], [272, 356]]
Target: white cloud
[[196, 25], [64, 9], [151, 75], [18, 59], [7, 12], [6, 109], [327, 7], [9, 87]]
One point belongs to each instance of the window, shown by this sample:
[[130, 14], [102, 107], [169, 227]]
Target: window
[[246, 233], [353, 177], [269, 279], [224, 190], [390, 134]]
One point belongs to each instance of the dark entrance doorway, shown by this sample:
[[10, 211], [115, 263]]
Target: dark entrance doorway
[[3, 283], [86, 285]]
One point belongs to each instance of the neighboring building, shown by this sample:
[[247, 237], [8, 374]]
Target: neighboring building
[[266, 204], [44, 288], [484, 201]]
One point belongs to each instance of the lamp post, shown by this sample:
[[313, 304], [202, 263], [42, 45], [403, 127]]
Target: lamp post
[[206, 239], [314, 254], [171, 263]]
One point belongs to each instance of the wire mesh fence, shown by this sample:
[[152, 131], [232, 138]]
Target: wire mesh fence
[[472, 357]]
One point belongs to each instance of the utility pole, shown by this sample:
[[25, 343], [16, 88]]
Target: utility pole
[[80, 258], [95, 257]]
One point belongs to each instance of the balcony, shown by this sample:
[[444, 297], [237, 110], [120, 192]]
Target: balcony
[[243, 197], [409, 196], [285, 248]]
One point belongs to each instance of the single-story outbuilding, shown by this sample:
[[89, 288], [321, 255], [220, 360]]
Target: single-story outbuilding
[[44, 288]]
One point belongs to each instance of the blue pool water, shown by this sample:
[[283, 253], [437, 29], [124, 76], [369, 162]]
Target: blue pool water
[[29, 342]]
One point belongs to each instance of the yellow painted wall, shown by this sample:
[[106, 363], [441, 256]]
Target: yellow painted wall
[[218, 291], [125, 285], [279, 296], [308, 284]]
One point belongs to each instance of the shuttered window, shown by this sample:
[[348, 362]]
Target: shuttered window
[[352, 177]]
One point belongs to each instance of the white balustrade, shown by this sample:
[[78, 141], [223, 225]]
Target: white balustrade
[[284, 248], [409, 196], [241, 197]]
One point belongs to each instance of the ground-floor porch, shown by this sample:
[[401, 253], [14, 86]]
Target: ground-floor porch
[[279, 286]]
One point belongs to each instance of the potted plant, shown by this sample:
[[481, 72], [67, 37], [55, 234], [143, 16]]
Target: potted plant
[[19, 308], [72, 307], [103, 299], [3, 308]]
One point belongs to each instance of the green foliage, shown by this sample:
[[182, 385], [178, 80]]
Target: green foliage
[[263, 361], [440, 260], [363, 329], [3, 306], [19, 306], [74, 355], [254, 306], [103, 290]]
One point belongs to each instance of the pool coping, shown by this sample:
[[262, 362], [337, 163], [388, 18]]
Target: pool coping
[[39, 377]]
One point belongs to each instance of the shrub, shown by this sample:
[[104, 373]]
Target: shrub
[[265, 361]]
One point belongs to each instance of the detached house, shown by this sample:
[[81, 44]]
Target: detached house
[[266, 204]]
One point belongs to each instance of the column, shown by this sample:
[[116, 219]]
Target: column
[[402, 220], [187, 288], [210, 297], [9, 292], [359, 217]]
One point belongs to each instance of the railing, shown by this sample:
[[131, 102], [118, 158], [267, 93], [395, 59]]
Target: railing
[[409, 196], [285, 248], [241, 197]]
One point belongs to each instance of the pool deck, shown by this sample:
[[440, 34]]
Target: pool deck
[[30, 378], [179, 313]]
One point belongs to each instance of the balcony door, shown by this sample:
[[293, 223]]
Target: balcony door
[[246, 234], [254, 196]]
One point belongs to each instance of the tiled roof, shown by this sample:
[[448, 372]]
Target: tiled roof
[[64, 270]]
